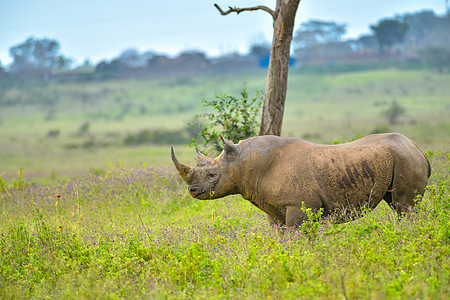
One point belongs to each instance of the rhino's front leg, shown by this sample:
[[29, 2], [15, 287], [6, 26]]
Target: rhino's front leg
[[295, 216], [274, 222]]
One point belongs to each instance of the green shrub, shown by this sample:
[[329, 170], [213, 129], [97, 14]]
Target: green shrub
[[235, 118], [52, 133], [158, 136], [357, 137], [381, 128], [84, 129], [393, 112]]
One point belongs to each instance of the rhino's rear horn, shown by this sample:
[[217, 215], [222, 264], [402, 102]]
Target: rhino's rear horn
[[202, 160], [228, 146], [181, 168]]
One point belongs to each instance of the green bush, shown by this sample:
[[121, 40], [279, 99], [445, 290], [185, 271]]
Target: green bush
[[84, 129], [393, 112], [52, 133], [381, 128], [438, 57], [158, 136], [235, 118]]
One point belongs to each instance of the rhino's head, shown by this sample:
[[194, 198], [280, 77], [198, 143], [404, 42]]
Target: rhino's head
[[212, 178]]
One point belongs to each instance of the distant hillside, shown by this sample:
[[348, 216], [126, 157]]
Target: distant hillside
[[419, 39]]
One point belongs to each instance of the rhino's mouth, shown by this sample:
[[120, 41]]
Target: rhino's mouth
[[200, 194], [195, 192]]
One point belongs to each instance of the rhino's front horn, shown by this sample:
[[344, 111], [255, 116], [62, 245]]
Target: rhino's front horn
[[228, 146], [182, 169]]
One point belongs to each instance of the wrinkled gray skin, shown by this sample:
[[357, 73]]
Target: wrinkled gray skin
[[277, 174]]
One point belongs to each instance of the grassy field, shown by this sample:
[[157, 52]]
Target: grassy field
[[104, 220], [57, 130], [137, 234]]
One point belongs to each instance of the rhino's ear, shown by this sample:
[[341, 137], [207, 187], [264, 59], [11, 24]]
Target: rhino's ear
[[228, 146], [202, 160]]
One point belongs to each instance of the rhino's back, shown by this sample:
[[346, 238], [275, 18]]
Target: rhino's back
[[336, 176], [360, 171], [409, 159], [405, 153]]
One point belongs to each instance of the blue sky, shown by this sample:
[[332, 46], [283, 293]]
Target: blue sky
[[100, 29]]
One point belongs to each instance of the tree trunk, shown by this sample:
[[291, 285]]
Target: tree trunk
[[277, 76], [276, 86]]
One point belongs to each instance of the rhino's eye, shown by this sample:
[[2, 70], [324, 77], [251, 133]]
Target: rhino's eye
[[211, 175]]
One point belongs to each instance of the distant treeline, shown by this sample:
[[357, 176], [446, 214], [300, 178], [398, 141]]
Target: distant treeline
[[421, 37]]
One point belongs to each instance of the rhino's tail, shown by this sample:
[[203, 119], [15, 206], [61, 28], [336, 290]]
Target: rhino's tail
[[426, 158], [388, 196], [429, 166]]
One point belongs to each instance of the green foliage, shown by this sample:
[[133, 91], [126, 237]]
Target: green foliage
[[311, 225], [381, 128], [17, 183], [138, 234], [35, 55], [438, 57], [53, 133], [393, 112], [84, 129], [235, 118], [389, 32], [157, 136], [337, 141], [3, 185]]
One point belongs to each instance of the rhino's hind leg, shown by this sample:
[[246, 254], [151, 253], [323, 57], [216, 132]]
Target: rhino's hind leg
[[403, 202], [403, 190], [295, 216], [402, 197]]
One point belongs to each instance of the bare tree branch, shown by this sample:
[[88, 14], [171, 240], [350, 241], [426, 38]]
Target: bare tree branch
[[239, 10]]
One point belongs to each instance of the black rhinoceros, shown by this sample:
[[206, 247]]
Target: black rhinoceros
[[278, 174]]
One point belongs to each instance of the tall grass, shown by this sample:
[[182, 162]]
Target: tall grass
[[138, 234]]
